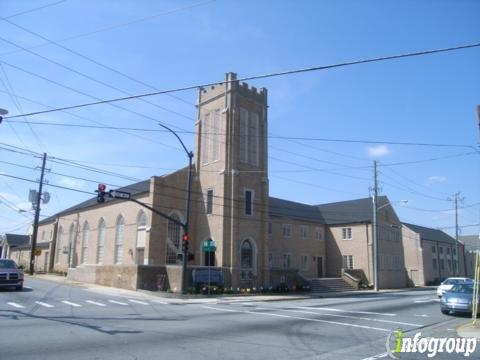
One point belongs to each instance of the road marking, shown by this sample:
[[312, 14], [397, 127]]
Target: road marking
[[301, 318], [71, 303], [138, 302], [118, 302], [95, 303], [27, 287], [347, 317], [44, 304], [379, 356], [160, 302], [345, 311], [422, 315], [426, 301], [16, 305]]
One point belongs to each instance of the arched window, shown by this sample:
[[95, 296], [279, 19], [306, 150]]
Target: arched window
[[119, 234], [59, 244], [248, 261], [85, 236], [141, 235], [246, 255], [71, 239], [101, 241], [173, 240]]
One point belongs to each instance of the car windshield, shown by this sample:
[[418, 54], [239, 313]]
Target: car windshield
[[456, 281], [463, 288], [7, 264]]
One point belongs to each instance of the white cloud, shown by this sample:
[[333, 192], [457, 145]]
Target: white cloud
[[436, 179], [378, 150]]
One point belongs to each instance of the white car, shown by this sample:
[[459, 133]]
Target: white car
[[447, 284]]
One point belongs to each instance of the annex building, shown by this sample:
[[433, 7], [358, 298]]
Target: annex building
[[259, 241]]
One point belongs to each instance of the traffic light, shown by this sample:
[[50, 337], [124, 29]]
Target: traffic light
[[101, 193], [184, 246], [185, 239]]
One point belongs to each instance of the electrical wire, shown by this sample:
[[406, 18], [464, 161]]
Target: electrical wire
[[256, 77]]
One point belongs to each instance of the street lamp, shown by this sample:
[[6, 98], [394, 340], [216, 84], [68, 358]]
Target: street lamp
[[186, 236], [375, 238]]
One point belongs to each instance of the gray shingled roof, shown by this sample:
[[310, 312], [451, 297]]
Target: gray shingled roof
[[351, 211], [16, 240], [472, 242], [291, 209], [134, 189], [344, 212], [431, 234]]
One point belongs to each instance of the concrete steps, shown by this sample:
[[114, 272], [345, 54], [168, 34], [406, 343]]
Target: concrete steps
[[322, 285]]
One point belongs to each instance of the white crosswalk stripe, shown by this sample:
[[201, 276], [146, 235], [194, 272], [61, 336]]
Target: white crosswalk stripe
[[117, 302], [71, 303], [95, 303], [138, 302], [44, 304], [16, 305]]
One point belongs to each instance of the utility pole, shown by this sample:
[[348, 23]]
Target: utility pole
[[37, 217], [456, 199], [375, 235]]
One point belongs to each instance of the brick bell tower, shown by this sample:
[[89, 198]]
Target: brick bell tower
[[231, 160]]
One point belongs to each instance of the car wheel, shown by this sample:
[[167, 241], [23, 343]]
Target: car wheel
[[19, 287], [445, 311]]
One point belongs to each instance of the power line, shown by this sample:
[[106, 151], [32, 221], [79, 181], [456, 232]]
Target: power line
[[91, 78], [256, 77], [96, 62], [116, 26], [338, 140], [32, 10]]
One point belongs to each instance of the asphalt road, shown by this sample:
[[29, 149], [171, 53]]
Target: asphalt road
[[50, 320]]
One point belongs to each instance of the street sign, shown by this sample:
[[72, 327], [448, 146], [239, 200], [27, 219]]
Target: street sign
[[209, 245], [120, 194]]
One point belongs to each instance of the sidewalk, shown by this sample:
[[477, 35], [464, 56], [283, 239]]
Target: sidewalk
[[174, 298], [469, 330]]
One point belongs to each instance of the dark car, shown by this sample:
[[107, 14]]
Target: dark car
[[458, 299], [10, 274]]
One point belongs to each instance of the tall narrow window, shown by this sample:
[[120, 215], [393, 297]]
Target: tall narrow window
[[71, 240], [206, 130], [101, 241], [173, 240], [59, 243], [248, 202], [287, 261], [253, 139], [141, 235], [243, 138], [215, 136], [85, 236], [348, 262], [246, 255], [347, 233], [119, 237], [209, 201], [303, 231]]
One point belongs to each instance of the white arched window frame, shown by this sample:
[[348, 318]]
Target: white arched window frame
[[85, 237], [101, 241], [119, 237], [248, 259], [174, 233], [59, 244]]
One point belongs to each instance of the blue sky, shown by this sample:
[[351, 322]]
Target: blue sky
[[170, 44]]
